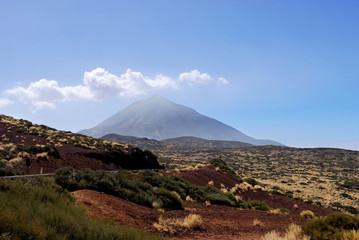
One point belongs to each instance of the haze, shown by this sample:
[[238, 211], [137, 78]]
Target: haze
[[281, 70]]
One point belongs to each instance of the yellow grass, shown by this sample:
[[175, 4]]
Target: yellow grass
[[258, 223], [191, 221], [351, 235], [188, 198], [42, 155], [294, 232], [307, 214]]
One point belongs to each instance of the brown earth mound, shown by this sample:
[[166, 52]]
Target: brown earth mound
[[219, 222], [101, 205]]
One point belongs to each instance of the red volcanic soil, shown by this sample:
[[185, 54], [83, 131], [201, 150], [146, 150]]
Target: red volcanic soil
[[219, 222], [123, 212]]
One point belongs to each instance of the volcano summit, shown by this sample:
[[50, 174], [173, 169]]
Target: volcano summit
[[159, 118]]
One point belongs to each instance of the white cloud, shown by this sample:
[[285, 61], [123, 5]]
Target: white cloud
[[40, 91], [100, 84], [42, 105], [195, 76], [4, 102], [222, 81]]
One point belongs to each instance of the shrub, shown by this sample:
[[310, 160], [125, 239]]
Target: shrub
[[349, 209], [307, 214], [351, 184], [345, 195], [331, 227], [222, 165], [184, 189], [253, 182], [124, 185], [258, 205], [169, 199]]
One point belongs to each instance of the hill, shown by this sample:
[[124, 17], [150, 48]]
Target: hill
[[180, 142], [326, 176], [46, 148], [219, 221], [159, 118]]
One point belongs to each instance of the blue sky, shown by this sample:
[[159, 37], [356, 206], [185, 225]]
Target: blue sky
[[281, 70]]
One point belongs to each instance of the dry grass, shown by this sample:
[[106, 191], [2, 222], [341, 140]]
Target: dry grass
[[307, 214], [235, 188], [188, 198], [192, 221], [351, 235], [278, 211], [157, 206], [43, 155], [294, 232], [171, 225], [238, 198], [257, 223]]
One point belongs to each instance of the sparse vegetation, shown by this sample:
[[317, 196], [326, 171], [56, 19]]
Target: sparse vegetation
[[334, 226], [319, 175]]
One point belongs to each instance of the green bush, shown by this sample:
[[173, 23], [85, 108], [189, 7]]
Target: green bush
[[331, 227], [184, 188], [253, 182], [223, 166], [351, 184], [10, 172], [258, 205], [169, 199], [123, 184], [40, 209], [340, 207], [143, 190]]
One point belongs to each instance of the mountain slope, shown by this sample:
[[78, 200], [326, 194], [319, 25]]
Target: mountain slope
[[159, 118], [174, 143], [46, 148]]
